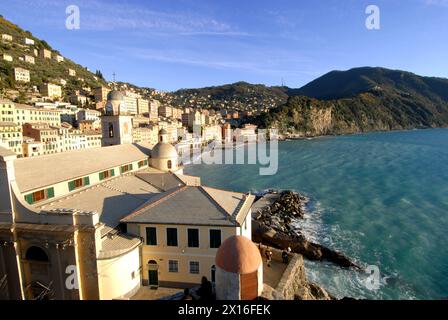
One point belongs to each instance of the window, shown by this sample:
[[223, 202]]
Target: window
[[107, 174], [78, 183], [169, 164], [173, 266], [193, 238], [126, 168], [215, 238], [194, 267], [36, 254], [111, 130], [142, 163], [39, 195], [151, 236], [171, 237]]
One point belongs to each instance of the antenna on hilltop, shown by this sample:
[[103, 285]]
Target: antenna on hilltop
[[113, 76], [283, 82]]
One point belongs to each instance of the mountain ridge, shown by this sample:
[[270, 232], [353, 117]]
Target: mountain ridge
[[360, 100]]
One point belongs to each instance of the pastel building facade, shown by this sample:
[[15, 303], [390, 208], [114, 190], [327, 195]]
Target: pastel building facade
[[21, 75]]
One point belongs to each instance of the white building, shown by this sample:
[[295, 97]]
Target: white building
[[6, 37], [88, 114], [7, 57], [21, 75], [29, 59], [28, 41]]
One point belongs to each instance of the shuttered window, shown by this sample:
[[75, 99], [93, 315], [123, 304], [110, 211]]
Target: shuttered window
[[78, 183], [106, 174], [126, 168], [40, 195]]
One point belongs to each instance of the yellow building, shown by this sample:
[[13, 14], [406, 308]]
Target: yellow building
[[166, 111], [131, 103], [45, 53], [47, 135], [182, 230], [154, 110], [7, 110], [142, 106], [100, 94], [29, 114], [51, 90], [21, 75], [147, 134], [11, 134]]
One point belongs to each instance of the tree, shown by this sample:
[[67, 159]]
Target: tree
[[99, 74]]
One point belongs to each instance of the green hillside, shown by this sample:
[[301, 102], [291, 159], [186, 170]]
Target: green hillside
[[361, 100], [44, 70]]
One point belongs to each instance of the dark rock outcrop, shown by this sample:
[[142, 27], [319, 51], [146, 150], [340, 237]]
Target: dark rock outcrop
[[272, 227]]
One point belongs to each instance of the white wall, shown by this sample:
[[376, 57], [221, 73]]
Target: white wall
[[115, 275]]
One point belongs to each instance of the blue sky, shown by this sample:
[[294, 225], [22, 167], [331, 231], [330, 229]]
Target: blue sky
[[172, 44]]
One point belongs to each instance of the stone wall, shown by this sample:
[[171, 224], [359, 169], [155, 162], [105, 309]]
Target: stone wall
[[294, 285]]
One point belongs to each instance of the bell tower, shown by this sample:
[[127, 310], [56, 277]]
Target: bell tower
[[116, 122]]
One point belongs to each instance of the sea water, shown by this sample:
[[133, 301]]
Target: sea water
[[380, 198]]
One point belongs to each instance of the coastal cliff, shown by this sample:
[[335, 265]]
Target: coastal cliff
[[361, 100]]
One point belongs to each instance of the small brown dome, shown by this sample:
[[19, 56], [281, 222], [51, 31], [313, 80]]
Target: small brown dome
[[238, 254]]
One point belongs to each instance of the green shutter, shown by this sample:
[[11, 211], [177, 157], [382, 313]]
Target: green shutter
[[71, 185], [131, 167], [86, 181], [50, 193], [29, 198], [112, 172], [121, 169], [101, 176], [146, 162]]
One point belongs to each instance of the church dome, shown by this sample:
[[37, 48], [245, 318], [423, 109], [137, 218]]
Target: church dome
[[239, 255], [164, 151], [163, 131], [114, 95]]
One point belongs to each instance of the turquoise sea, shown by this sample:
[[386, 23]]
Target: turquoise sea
[[381, 198]]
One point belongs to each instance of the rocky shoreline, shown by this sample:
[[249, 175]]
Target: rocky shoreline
[[272, 226]]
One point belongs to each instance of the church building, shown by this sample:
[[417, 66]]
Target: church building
[[100, 223]]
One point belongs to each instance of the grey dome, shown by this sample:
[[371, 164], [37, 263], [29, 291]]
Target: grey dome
[[164, 151], [115, 95]]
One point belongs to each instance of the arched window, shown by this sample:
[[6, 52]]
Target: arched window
[[36, 254], [111, 130], [169, 164]]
